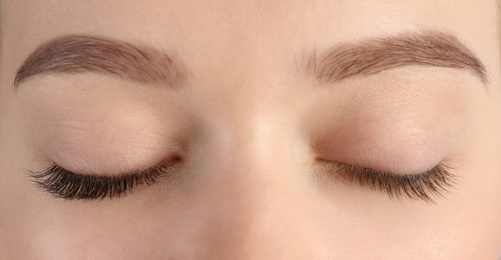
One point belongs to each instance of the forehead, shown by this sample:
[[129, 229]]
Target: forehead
[[323, 15]]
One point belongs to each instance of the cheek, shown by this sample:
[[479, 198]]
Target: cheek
[[133, 229], [389, 229]]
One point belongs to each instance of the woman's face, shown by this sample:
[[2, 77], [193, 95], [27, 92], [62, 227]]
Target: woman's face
[[265, 130]]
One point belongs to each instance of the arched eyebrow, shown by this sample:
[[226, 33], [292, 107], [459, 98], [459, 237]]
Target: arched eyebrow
[[371, 56], [81, 54]]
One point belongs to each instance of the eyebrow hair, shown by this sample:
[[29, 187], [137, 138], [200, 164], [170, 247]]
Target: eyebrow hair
[[80, 54], [374, 55]]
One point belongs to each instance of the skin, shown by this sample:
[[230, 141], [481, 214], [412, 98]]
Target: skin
[[249, 126]]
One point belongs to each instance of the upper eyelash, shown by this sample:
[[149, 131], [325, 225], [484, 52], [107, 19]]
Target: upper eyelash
[[420, 186], [74, 186]]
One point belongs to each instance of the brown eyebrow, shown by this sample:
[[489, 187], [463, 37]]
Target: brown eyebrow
[[79, 54], [374, 55]]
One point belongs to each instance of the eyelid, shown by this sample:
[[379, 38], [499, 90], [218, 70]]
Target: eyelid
[[421, 186], [74, 186]]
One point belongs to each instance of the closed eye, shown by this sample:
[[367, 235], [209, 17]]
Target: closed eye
[[422, 186], [74, 186]]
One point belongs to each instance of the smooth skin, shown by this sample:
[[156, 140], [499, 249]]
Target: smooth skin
[[250, 125]]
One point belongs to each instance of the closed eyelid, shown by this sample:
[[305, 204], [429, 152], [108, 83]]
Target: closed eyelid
[[423, 186], [73, 186]]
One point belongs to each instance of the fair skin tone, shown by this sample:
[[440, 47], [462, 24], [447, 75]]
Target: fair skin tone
[[252, 131]]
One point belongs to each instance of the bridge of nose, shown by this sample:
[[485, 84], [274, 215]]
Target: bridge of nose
[[254, 194]]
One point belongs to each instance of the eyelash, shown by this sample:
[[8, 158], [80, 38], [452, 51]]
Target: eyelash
[[419, 187], [74, 186]]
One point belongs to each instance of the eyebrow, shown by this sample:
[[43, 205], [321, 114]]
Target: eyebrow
[[80, 54], [372, 56]]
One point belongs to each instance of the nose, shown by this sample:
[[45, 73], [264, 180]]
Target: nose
[[253, 200]]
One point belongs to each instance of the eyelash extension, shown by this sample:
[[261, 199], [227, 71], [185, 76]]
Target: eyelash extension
[[420, 186], [74, 186]]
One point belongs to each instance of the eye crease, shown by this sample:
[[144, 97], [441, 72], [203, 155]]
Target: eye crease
[[422, 186], [74, 186]]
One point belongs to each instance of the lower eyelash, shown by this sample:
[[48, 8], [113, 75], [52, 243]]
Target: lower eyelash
[[421, 186], [73, 186]]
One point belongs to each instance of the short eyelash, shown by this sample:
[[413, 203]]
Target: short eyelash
[[420, 186], [73, 186]]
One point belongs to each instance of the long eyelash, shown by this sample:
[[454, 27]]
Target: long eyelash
[[73, 186], [421, 186]]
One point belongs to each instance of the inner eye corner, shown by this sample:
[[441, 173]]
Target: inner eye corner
[[173, 160]]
